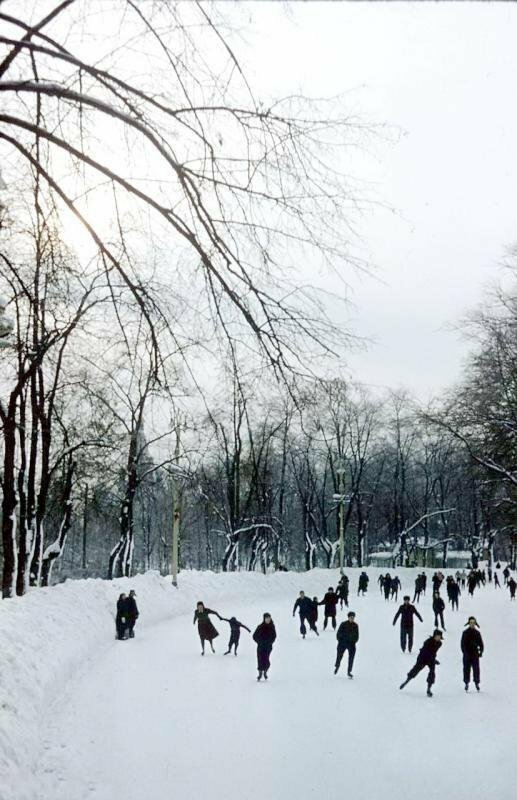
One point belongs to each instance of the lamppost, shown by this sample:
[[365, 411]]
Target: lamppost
[[340, 498]]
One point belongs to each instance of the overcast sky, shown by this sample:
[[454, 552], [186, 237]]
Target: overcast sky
[[445, 74]]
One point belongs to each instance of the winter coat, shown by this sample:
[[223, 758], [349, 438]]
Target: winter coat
[[265, 635], [235, 625], [454, 591], [304, 604], [406, 614], [205, 626], [131, 608], [330, 602], [438, 605], [312, 616], [122, 609], [428, 651], [471, 643], [348, 633]]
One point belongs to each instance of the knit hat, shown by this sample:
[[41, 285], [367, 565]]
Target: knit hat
[[467, 622]]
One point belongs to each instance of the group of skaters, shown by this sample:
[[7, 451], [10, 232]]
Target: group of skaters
[[264, 635], [127, 615]]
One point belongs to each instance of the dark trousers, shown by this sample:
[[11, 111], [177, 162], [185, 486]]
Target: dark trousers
[[263, 662], [304, 619], [341, 648], [234, 640], [440, 615], [454, 603], [130, 626], [343, 598], [416, 596], [330, 615], [406, 637], [121, 626], [419, 666], [470, 662]]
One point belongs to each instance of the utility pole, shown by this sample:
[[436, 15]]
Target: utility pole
[[176, 513], [85, 524], [340, 498]]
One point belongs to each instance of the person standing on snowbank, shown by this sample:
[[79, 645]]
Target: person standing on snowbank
[[406, 613], [305, 608], [347, 637], [330, 602], [472, 649], [426, 658], [121, 620], [512, 586], [205, 627], [132, 613], [264, 636], [235, 633]]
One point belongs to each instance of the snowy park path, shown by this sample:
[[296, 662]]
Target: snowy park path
[[151, 718]]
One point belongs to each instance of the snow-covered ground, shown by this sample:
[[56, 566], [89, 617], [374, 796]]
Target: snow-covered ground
[[85, 716]]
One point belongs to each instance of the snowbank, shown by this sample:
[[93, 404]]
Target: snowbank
[[50, 634]]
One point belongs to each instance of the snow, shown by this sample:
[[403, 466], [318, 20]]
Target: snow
[[84, 715]]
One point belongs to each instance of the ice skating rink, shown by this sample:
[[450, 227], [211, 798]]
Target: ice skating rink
[[150, 719]]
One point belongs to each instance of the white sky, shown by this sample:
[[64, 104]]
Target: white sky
[[445, 74]]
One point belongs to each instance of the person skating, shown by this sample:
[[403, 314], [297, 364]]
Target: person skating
[[363, 583], [497, 584], [305, 608], [264, 636], [347, 637], [426, 658], [438, 608], [380, 581], [454, 593], [342, 590], [387, 586], [472, 582], [395, 586], [205, 627], [313, 618], [132, 613], [472, 649], [512, 586], [235, 633], [418, 588], [330, 602], [506, 574], [121, 620], [406, 613]]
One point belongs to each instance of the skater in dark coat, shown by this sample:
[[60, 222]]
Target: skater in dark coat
[[406, 613], [395, 586], [305, 609], [387, 586], [472, 583], [380, 581], [330, 602], [512, 586], [363, 583], [235, 633], [342, 590], [506, 574], [121, 620], [418, 588], [454, 593], [426, 658], [264, 636], [497, 584], [438, 608], [472, 649], [347, 637], [313, 618], [132, 613], [205, 627]]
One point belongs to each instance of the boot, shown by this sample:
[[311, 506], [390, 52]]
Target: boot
[[477, 687], [259, 676], [226, 652], [466, 687], [429, 692], [403, 684], [335, 670], [265, 676]]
